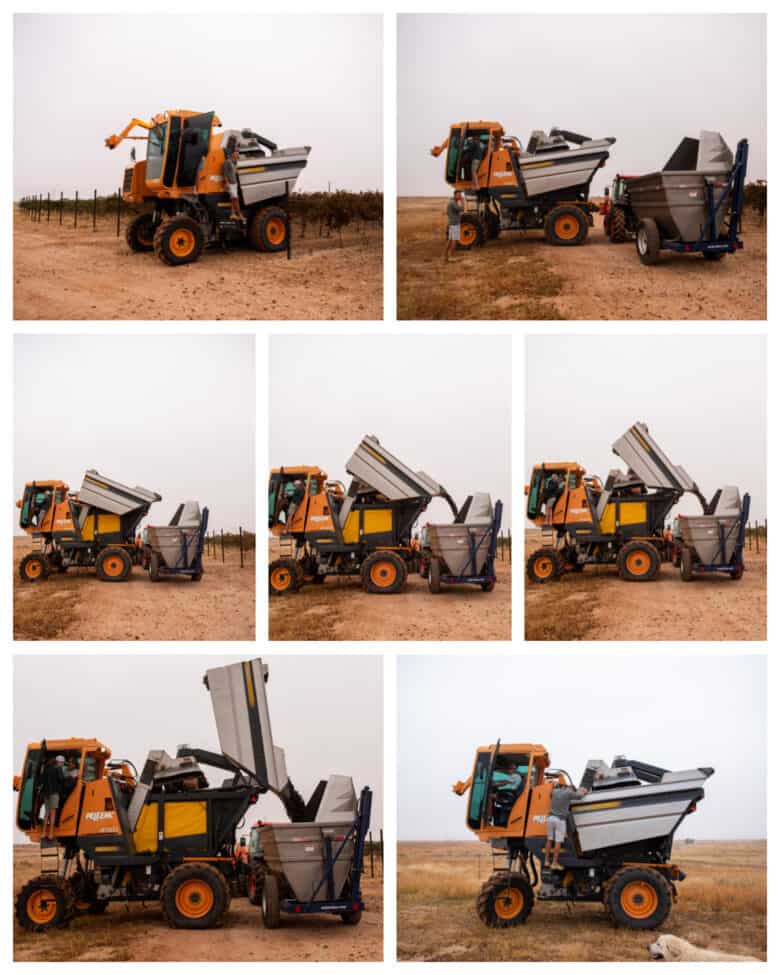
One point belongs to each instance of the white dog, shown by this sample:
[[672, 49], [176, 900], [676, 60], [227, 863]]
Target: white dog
[[667, 947]]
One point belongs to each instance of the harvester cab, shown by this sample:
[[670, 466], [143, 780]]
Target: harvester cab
[[182, 182], [544, 186], [619, 833]]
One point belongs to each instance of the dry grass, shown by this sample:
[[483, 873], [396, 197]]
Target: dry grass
[[37, 618], [721, 905]]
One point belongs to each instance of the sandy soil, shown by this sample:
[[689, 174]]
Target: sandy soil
[[339, 609], [140, 933], [599, 280], [62, 273], [78, 606], [598, 605], [721, 905]]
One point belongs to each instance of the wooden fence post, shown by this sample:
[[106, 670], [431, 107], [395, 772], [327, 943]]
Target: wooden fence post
[[222, 543], [118, 210], [48, 208], [241, 544], [61, 202], [76, 210], [371, 851], [94, 211]]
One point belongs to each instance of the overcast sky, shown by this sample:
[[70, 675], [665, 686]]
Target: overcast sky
[[702, 398], [441, 403], [296, 79], [136, 704], [676, 712], [648, 81], [173, 414]]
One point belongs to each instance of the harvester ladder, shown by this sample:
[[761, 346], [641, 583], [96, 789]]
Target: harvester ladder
[[548, 536], [286, 548], [50, 859]]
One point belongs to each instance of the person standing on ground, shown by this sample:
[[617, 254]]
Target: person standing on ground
[[454, 212], [231, 181]]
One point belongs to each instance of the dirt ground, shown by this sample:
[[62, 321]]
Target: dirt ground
[[78, 606], [140, 933], [339, 609], [521, 276], [62, 273], [721, 905], [598, 605]]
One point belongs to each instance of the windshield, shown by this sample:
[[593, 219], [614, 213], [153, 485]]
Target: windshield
[[452, 155], [154, 151]]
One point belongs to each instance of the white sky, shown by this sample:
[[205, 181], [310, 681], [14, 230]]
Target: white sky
[[299, 80], [173, 414], [702, 398], [441, 403], [645, 80], [326, 712], [675, 712]]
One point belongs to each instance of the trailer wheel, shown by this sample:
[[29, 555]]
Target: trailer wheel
[[44, 903], [566, 226], [713, 255], [178, 241], [34, 568], [543, 565], [638, 898], [154, 567], [194, 896], [113, 565], [737, 572], [255, 886], [434, 576], [270, 902], [140, 233], [196, 576], [472, 232], [505, 900], [488, 586], [648, 241], [268, 229], [686, 564], [617, 233], [351, 917], [383, 573]]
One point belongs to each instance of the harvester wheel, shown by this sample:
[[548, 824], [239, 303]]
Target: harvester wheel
[[194, 896], [686, 564], [113, 565], [505, 900], [283, 577], [178, 241], [638, 897], [648, 241], [154, 567], [44, 903], [383, 573], [566, 226], [34, 568], [434, 576], [270, 902], [638, 562], [617, 230], [543, 565], [268, 229], [472, 232], [139, 234]]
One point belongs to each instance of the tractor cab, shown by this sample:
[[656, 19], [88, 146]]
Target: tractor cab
[[296, 495], [555, 487], [37, 501], [464, 141]]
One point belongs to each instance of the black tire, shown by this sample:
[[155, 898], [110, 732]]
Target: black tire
[[194, 896], [434, 576], [34, 568], [565, 226], [638, 562], [113, 565], [139, 234], [737, 572], [639, 898], [383, 573], [154, 567], [351, 917], [472, 232], [543, 565], [713, 255], [268, 229], [617, 233], [255, 886], [492, 225], [648, 241], [283, 577], [270, 902], [505, 901], [179, 241], [196, 576], [44, 903], [488, 586], [686, 564]]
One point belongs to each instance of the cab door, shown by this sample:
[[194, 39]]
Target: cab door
[[30, 794], [195, 138]]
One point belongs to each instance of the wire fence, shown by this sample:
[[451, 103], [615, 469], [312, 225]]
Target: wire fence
[[218, 543], [374, 854], [756, 536], [504, 546]]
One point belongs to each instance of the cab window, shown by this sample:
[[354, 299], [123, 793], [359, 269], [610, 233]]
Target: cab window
[[26, 813], [154, 151], [479, 781], [453, 151]]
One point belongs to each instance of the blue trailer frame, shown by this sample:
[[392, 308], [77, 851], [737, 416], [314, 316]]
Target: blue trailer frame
[[736, 566], [470, 571], [181, 568]]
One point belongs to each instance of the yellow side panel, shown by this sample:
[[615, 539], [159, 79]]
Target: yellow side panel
[[631, 513], [185, 818], [145, 835], [106, 523], [377, 521], [351, 530]]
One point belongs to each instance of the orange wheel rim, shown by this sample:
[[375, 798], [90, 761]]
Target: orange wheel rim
[[383, 574], [182, 242], [566, 228], [33, 569], [467, 233], [508, 903], [42, 906], [275, 230], [639, 899], [543, 567], [280, 578], [194, 898], [638, 563], [113, 566]]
